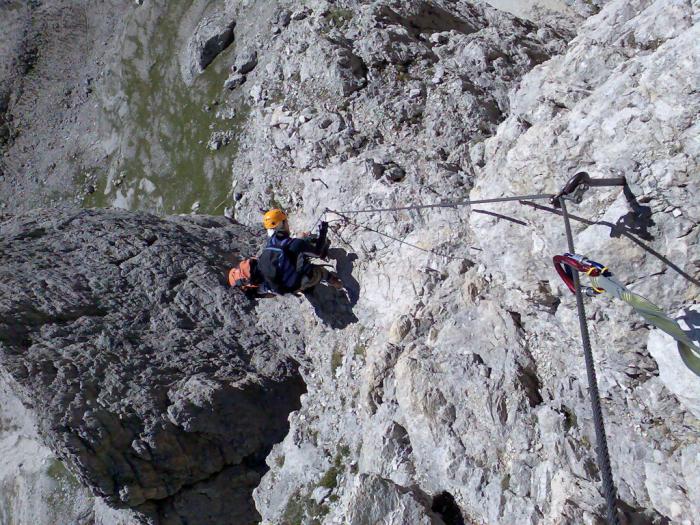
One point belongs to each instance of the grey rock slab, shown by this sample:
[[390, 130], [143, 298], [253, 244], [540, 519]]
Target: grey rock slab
[[213, 34], [34, 485], [145, 374], [245, 61], [467, 377], [376, 500], [478, 393]]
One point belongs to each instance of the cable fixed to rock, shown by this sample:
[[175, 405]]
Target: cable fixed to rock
[[448, 204], [622, 231], [574, 190], [601, 441], [368, 228]]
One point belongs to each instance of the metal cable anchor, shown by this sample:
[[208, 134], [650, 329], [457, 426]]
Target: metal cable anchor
[[577, 185]]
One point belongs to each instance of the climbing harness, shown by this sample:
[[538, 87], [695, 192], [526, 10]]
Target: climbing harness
[[604, 282]]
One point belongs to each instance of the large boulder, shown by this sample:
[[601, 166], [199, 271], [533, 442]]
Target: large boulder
[[213, 34], [144, 373]]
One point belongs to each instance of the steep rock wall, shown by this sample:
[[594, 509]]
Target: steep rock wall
[[460, 377], [447, 385], [142, 373]]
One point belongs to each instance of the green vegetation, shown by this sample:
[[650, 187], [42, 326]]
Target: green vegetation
[[60, 500], [505, 482], [339, 17], [295, 511], [402, 74], [59, 473], [162, 163], [586, 442], [570, 420], [303, 508], [330, 478], [336, 360]]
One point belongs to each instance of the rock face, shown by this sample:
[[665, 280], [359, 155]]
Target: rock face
[[34, 486], [52, 58], [145, 375], [462, 377], [447, 384], [213, 34]]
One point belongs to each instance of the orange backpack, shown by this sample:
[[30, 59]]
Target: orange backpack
[[242, 276]]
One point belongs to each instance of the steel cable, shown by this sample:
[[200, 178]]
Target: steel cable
[[601, 441], [449, 204], [625, 233], [401, 241], [603, 457]]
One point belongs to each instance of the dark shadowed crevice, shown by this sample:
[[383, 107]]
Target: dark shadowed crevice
[[635, 516], [201, 502], [531, 385], [445, 505]]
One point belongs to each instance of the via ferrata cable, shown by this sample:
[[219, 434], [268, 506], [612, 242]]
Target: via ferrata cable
[[601, 442]]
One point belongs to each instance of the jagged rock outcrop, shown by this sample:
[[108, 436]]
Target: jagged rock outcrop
[[144, 374], [213, 34], [409, 86], [463, 376], [447, 384]]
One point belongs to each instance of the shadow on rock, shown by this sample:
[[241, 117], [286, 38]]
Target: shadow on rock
[[692, 319], [334, 307], [637, 222], [343, 267]]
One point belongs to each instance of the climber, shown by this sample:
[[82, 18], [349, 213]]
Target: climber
[[284, 262], [247, 278]]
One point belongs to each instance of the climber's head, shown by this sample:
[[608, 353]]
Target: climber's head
[[274, 221]]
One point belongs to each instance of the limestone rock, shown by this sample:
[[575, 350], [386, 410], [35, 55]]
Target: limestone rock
[[677, 377], [142, 371], [245, 61], [212, 35], [482, 396], [448, 383], [376, 500]]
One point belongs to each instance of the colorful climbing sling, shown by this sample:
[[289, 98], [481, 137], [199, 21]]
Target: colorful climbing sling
[[602, 280]]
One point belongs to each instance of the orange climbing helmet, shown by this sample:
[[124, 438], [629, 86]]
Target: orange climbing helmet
[[274, 218]]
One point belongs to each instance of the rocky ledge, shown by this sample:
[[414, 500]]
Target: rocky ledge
[[143, 374]]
